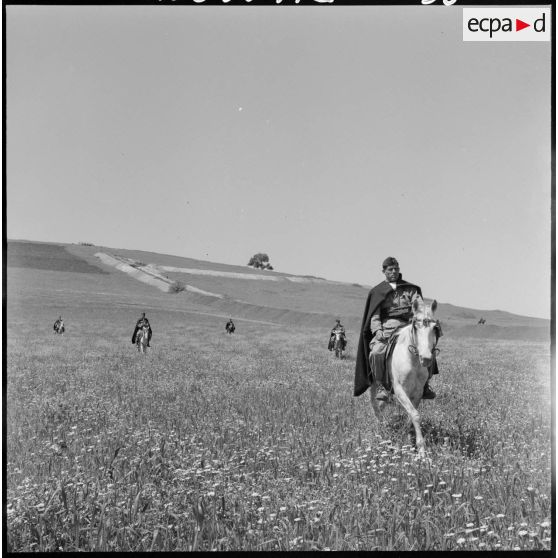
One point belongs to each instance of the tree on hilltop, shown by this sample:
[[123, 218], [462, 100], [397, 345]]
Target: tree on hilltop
[[260, 261]]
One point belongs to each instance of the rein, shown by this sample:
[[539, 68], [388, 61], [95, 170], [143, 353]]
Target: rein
[[420, 324]]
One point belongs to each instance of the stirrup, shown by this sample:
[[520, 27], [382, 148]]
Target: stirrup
[[381, 393]]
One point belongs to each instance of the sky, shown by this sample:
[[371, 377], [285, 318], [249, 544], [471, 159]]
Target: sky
[[328, 137]]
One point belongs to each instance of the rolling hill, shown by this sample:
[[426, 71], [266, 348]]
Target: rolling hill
[[135, 280]]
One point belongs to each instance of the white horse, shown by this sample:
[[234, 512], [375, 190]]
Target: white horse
[[407, 365], [142, 338], [338, 343]]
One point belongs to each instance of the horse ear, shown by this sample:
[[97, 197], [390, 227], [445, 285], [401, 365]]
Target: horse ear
[[433, 306]]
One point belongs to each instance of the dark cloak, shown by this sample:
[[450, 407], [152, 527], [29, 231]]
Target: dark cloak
[[375, 297]]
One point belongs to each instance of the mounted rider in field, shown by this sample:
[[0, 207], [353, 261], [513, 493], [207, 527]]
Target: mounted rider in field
[[229, 326], [337, 328], [59, 325], [143, 321], [388, 308]]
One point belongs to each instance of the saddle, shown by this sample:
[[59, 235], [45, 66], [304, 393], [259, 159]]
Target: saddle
[[389, 349]]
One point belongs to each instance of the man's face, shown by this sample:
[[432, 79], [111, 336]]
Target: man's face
[[392, 273]]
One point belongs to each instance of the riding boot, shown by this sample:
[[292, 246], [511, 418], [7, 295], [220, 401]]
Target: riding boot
[[433, 368], [427, 392], [377, 364]]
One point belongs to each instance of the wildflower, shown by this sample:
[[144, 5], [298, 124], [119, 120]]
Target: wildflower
[[456, 495], [545, 524], [522, 533], [479, 498], [461, 540], [282, 508], [500, 516]]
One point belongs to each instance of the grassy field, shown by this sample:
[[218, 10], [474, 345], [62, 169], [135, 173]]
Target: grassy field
[[255, 442]]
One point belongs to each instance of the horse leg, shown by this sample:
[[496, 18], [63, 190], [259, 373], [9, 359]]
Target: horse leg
[[413, 413]]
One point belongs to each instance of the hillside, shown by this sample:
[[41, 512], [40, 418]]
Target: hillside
[[134, 279]]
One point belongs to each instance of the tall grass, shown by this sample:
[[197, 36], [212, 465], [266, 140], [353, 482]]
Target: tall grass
[[255, 442]]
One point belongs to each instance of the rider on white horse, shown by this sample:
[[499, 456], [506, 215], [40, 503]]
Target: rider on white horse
[[337, 328], [388, 307], [143, 321]]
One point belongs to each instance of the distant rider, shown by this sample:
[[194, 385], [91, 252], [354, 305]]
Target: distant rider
[[230, 327], [143, 321], [59, 325], [337, 328]]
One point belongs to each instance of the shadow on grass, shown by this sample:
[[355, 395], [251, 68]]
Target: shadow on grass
[[469, 439]]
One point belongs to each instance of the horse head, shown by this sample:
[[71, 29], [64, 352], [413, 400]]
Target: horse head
[[425, 331]]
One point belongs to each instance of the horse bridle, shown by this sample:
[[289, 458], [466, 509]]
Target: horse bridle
[[425, 322]]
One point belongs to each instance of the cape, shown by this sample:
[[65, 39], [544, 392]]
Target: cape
[[375, 297]]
